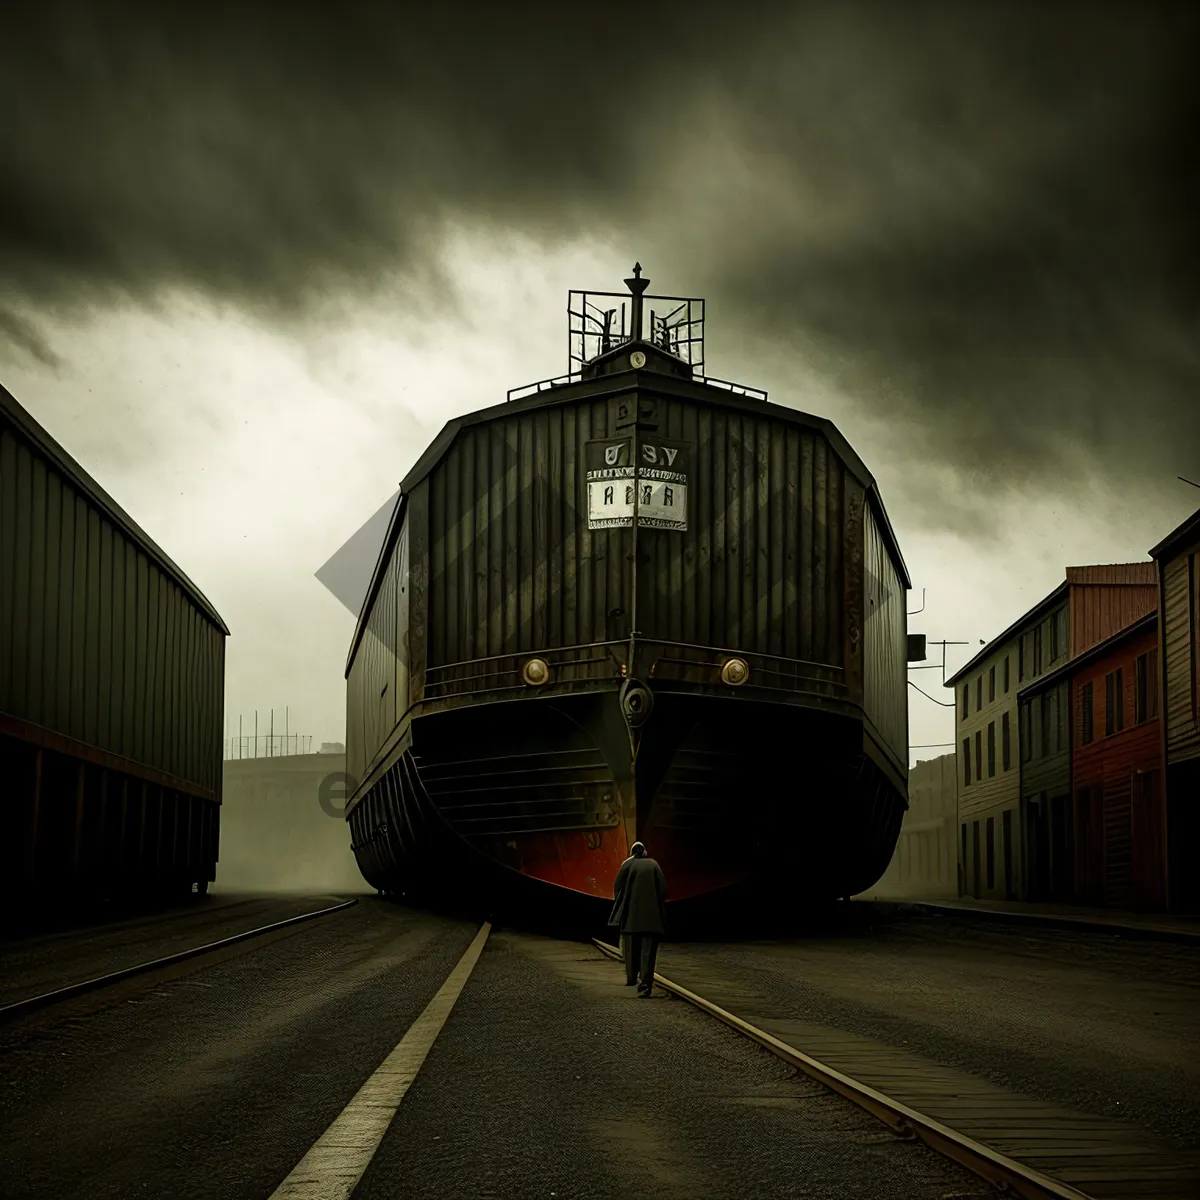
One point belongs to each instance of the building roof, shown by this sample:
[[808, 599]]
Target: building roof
[[1141, 625], [1038, 610], [27, 427], [1138, 574], [1141, 574], [1186, 532]]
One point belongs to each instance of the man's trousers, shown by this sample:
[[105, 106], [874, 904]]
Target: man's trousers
[[641, 952]]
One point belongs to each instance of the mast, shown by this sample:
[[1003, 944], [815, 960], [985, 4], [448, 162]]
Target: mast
[[637, 285]]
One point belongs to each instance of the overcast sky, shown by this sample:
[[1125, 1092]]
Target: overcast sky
[[253, 257]]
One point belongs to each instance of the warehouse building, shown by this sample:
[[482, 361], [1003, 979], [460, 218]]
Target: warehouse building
[[1010, 778], [112, 668]]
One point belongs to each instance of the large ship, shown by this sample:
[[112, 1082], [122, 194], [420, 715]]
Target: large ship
[[632, 602]]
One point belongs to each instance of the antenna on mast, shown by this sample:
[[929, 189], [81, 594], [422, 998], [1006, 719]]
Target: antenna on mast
[[637, 285]]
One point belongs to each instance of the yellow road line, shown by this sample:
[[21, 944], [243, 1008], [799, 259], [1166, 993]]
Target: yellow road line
[[332, 1168]]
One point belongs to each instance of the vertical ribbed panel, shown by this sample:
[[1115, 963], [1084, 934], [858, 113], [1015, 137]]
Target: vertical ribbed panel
[[514, 568], [885, 658], [377, 691], [96, 641]]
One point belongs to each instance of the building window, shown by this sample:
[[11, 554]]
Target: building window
[[1006, 742], [979, 693], [991, 853], [1037, 651], [1054, 648], [966, 760], [1026, 732], [1088, 730], [1110, 705], [1006, 674], [991, 748], [1146, 703], [1063, 647], [966, 700], [1060, 710], [991, 685], [1119, 676], [1021, 659], [979, 754]]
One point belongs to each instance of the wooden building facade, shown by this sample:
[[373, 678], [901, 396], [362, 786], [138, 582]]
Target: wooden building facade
[[1116, 775], [1177, 559]]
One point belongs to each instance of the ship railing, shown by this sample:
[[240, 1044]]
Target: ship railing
[[669, 662], [502, 672], [545, 385], [542, 385], [687, 662], [739, 389]]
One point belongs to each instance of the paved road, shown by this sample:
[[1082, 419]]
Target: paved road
[[1099, 1023], [550, 1078]]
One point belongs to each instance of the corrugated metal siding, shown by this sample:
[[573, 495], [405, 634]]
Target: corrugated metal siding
[[885, 660], [1179, 656], [97, 643], [514, 567], [1100, 610], [377, 692]]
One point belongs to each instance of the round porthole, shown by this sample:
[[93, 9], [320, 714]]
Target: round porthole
[[535, 672], [637, 360], [735, 672]]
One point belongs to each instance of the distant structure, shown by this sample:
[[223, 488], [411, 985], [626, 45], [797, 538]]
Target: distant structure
[[249, 743], [925, 863], [282, 825]]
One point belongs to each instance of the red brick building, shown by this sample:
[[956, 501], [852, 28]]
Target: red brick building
[[1116, 770]]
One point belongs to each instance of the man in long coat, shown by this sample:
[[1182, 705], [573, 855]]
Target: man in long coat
[[640, 913]]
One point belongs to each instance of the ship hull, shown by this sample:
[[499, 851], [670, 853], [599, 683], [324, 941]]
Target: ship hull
[[533, 804]]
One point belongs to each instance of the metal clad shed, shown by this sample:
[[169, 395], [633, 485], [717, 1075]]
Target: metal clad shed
[[112, 668]]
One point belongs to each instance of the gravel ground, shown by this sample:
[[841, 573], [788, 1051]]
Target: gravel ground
[[1092, 1021], [551, 1079]]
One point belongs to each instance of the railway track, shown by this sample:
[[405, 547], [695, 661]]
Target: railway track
[[1008, 1175], [30, 1004]]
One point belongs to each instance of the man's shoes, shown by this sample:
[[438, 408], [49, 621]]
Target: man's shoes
[[630, 982]]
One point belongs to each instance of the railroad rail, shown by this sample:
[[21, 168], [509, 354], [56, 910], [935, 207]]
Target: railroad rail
[[1007, 1174], [19, 1008]]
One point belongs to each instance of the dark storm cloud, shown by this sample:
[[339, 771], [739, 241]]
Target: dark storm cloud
[[978, 218]]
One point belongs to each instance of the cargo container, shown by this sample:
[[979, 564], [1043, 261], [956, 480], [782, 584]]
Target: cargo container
[[112, 669], [632, 602]]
